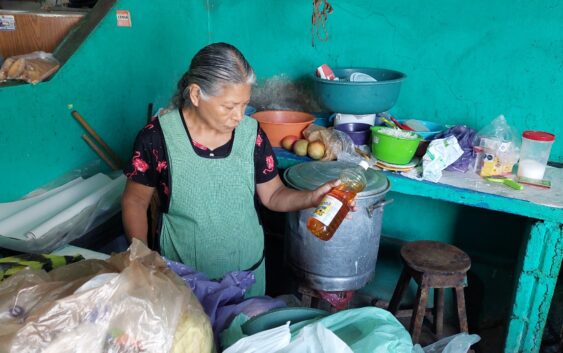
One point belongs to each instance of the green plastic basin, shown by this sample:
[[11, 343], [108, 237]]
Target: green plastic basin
[[391, 149]]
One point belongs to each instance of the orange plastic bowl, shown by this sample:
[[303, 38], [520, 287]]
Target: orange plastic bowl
[[277, 124]]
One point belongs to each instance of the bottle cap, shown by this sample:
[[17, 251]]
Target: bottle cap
[[364, 164]]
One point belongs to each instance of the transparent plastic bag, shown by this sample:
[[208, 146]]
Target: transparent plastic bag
[[465, 137], [459, 343], [32, 68], [497, 148], [57, 227], [144, 307], [336, 142]]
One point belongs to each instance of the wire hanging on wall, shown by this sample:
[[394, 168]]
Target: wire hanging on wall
[[321, 10]]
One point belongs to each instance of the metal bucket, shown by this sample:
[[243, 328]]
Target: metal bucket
[[347, 260]]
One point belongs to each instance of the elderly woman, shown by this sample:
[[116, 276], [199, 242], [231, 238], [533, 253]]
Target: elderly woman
[[209, 164]]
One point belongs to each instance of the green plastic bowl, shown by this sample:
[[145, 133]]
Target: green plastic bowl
[[391, 149]]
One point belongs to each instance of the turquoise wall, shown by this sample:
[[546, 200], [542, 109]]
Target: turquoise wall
[[110, 80], [466, 61]]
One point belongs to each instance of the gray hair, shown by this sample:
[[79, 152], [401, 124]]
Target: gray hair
[[213, 67]]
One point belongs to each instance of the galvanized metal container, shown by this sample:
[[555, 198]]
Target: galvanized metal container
[[347, 261]]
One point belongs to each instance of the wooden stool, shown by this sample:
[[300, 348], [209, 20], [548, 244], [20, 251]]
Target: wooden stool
[[432, 265]]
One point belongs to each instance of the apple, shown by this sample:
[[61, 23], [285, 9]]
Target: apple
[[300, 147], [288, 141], [316, 150]]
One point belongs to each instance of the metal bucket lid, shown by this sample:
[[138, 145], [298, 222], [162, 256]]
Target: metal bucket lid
[[311, 175]]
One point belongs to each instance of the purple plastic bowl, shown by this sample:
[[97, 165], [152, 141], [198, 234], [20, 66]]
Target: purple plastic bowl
[[359, 132]]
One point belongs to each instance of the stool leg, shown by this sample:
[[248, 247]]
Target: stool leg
[[460, 298], [418, 313], [398, 292], [438, 311], [306, 300]]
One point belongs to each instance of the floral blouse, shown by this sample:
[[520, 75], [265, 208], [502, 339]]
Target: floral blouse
[[149, 162]]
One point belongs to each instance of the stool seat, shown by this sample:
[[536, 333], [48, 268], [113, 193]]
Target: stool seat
[[435, 257], [437, 266]]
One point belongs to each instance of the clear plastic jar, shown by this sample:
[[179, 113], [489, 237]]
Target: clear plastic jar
[[536, 146]]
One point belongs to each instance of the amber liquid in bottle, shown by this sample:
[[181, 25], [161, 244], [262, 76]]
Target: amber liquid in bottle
[[340, 197]]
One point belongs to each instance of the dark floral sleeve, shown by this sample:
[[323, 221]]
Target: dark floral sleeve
[[265, 163], [148, 161]]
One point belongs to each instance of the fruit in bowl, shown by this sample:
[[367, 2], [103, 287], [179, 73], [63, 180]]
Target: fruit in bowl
[[288, 141]]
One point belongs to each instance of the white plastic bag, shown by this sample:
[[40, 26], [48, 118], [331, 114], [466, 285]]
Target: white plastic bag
[[440, 154], [315, 338]]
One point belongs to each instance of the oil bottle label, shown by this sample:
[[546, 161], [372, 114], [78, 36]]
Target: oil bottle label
[[327, 209]]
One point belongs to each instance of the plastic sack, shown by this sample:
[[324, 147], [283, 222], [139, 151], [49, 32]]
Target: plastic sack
[[459, 343], [440, 154], [497, 148], [271, 340], [32, 68], [316, 338], [465, 137], [60, 212], [367, 329], [336, 142], [142, 307]]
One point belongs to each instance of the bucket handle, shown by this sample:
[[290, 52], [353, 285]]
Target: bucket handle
[[371, 209]]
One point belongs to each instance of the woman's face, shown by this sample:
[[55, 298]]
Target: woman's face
[[224, 111]]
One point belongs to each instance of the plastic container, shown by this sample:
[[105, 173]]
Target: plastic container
[[536, 146], [277, 124], [340, 118], [365, 97], [430, 128], [358, 132], [394, 149], [336, 204]]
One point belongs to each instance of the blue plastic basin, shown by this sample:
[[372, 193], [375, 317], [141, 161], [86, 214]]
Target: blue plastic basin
[[343, 96]]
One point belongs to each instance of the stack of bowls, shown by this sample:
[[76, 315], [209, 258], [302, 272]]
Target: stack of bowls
[[358, 94]]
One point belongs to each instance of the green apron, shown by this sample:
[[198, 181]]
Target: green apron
[[211, 222]]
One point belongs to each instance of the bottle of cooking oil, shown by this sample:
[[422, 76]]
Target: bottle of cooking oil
[[334, 207]]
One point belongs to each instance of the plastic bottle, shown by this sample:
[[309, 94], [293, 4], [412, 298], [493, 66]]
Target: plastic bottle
[[334, 207]]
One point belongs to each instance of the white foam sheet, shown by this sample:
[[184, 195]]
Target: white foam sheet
[[19, 224]]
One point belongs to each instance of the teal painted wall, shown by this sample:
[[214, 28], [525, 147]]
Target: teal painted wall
[[110, 80], [466, 61]]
